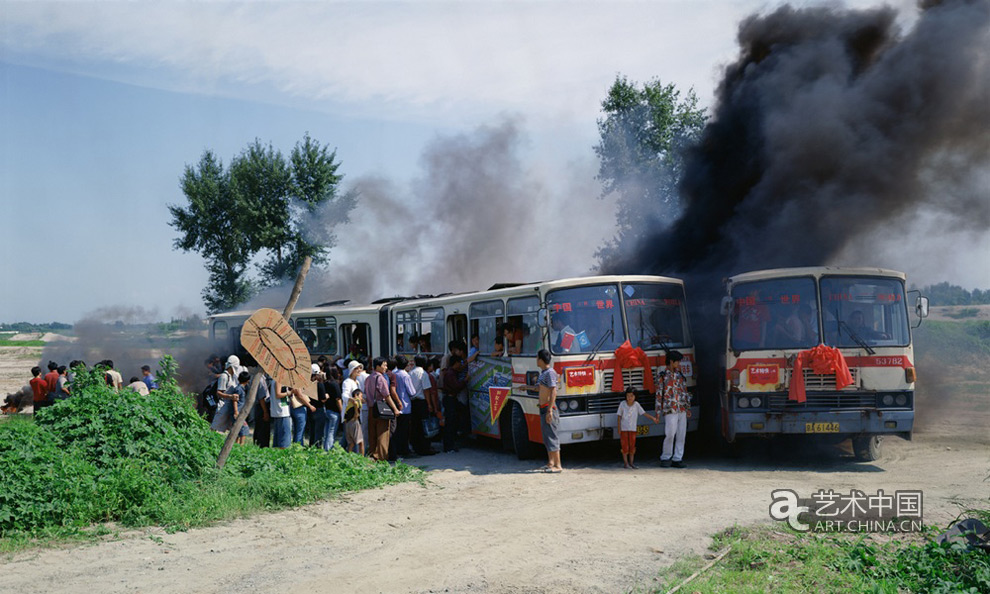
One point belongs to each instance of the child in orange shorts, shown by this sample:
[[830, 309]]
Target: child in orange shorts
[[628, 413]]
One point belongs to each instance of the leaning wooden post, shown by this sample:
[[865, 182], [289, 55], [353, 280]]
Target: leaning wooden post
[[242, 415]]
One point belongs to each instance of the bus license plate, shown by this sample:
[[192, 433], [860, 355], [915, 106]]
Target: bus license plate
[[821, 427], [642, 430]]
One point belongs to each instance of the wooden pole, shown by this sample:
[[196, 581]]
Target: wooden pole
[[252, 394]]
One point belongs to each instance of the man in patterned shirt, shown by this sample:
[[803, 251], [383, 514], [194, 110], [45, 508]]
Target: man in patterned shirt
[[674, 402]]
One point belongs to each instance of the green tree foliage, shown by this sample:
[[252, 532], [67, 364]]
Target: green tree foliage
[[945, 294], [643, 134], [262, 206], [216, 225]]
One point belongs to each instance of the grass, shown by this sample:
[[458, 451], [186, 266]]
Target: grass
[[104, 459], [21, 343], [966, 312], [771, 558]]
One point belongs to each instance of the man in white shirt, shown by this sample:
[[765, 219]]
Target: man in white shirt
[[420, 408]]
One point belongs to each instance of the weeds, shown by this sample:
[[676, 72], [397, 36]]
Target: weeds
[[106, 456]]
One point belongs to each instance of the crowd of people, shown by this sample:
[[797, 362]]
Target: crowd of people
[[57, 383], [385, 408]]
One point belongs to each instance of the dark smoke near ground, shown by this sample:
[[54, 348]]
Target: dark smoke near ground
[[833, 125], [127, 336]]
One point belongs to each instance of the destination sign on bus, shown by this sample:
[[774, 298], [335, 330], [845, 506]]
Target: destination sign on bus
[[598, 304], [881, 297]]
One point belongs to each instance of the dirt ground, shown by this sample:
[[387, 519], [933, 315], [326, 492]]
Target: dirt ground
[[485, 523]]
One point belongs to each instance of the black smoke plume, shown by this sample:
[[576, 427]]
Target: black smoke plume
[[832, 125]]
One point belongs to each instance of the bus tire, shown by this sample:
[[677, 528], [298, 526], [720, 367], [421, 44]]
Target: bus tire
[[525, 449], [867, 447]]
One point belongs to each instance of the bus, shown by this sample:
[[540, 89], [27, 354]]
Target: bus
[[777, 322], [584, 322]]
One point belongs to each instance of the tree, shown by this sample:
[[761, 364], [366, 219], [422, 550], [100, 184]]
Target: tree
[[214, 225], [642, 138], [262, 204]]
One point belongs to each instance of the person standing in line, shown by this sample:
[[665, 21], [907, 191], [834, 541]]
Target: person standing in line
[[299, 406], [420, 408], [279, 410], [39, 390], [114, 375], [549, 415], [674, 401], [352, 423], [350, 383], [51, 379], [404, 390], [327, 426], [628, 415], [377, 391], [262, 435], [62, 390], [226, 383], [148, 379], [453, 385], [362, 379]]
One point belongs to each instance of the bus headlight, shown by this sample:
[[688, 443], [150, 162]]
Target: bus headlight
[[755, 402], [888, 400], [901, 400], [743, 402]]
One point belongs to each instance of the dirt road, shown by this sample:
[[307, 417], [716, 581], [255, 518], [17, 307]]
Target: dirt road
[[484, 523]]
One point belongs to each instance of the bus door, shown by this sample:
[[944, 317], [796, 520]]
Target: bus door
[[489, 373], [355, 334]]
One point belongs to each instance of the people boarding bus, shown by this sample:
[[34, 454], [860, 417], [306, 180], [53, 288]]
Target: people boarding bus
[[819, 351], [605, 333]]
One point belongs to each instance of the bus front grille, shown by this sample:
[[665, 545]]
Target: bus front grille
[[631, 377], [829, 401]]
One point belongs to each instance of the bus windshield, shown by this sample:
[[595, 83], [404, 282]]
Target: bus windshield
[[864, 311], [656, 315], [779, 313], [583, 318]]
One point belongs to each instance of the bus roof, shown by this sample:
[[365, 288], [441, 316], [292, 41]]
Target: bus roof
[[419, 301], [529, 288], [816, 271]]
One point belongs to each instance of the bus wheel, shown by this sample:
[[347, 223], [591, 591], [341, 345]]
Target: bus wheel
[[525, 449], [867, 447]]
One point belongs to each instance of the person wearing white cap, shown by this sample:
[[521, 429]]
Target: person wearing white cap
[[227, 381], [354, 369]]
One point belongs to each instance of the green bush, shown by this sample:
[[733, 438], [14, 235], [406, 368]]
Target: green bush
[[107, 426], [102, 455], [43, 484]]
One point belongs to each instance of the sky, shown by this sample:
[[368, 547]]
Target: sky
[[102, 105]]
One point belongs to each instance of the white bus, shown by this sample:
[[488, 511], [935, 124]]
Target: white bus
[[776, 320], [582, 321]]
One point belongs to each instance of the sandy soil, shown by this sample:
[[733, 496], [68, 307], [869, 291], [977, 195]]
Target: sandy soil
[[485, 523]]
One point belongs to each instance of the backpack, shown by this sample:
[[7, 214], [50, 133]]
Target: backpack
[[209, 395]]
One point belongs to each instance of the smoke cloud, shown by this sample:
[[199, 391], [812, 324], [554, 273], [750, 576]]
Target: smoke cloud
[[480, 213], [833, 130]]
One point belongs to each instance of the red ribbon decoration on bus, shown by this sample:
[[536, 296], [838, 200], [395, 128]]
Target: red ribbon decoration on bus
[[823, 360], [627, 356]]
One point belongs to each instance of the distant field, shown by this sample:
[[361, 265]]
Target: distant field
[[5, 342]]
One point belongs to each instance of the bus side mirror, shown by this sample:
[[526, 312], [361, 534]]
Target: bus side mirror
[[541, 317], [921, 307], [726, 308]]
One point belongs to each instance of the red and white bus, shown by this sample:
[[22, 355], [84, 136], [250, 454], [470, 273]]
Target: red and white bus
[[819, 351], [584, 322]]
